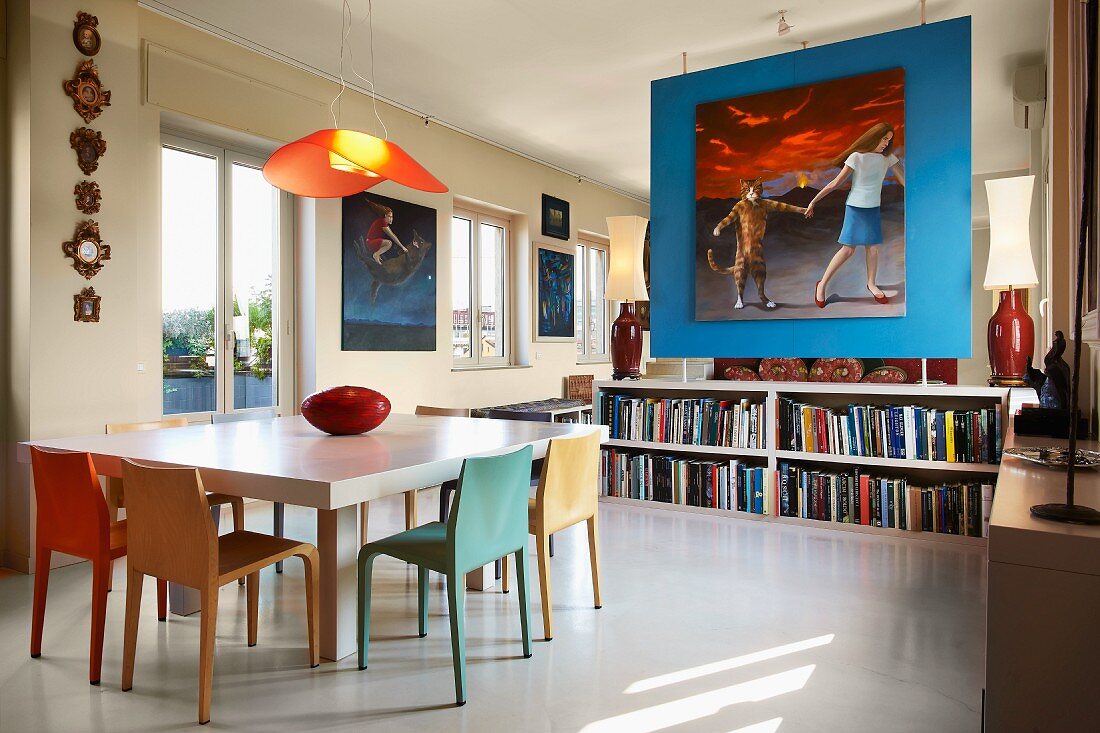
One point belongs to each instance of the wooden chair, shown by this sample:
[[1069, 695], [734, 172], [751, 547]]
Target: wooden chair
[[410, 496], [172, 536], [278, 518], [73, 518], [485, 524], [115, 493], [566, 496]]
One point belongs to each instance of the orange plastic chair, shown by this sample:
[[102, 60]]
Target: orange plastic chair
[[72, 518]]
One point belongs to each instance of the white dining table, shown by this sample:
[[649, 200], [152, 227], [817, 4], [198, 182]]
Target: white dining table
[[288, 460]]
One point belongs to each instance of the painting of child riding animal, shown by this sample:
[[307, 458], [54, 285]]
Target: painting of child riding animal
[[800, 202], [389, 275]]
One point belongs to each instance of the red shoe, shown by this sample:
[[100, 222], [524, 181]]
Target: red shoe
[[818, 303], [878, 298]]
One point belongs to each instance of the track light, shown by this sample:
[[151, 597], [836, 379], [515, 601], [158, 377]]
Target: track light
[[784, 26]]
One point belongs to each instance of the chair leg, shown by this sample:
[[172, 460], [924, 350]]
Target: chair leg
[[278, 520], [162, 599], [410, 509], [134, 581], [114, 501], [445, 490], [101, 568], [237, 505], [523, 577], [364, 515], [366, 565], [498, 569], [207, 625], [594, 554], [312, 570], [422, 598], [544, 582], [551, 545], [504, 575], [456, 601], [252, 604], [41, 583]]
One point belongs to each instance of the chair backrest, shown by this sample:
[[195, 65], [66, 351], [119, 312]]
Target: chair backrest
[[489, 515], [133, 427], [567, 488], [72, 513], [579, 387], [443, 411], [268, 413], [170, 533], [521, 415]]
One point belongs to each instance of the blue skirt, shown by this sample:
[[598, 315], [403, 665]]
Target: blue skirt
[[862, 226]]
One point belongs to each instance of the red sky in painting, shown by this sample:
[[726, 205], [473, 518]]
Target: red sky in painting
[[781, 135]]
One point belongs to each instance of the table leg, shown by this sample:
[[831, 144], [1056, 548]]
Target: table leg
[[184, 601], [338, 546]]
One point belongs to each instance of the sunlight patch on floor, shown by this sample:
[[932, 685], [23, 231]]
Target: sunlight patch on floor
[[703, 670], [694, 707]]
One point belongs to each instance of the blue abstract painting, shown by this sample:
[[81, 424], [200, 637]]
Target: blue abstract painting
[[389, 275], [555, 270]]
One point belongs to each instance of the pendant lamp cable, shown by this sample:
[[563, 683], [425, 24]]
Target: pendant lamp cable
[[346, 24]]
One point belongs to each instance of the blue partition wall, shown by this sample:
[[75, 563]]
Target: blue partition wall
[[936, 59]]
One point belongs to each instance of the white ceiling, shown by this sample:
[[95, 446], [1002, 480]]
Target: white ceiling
[[567, 81]]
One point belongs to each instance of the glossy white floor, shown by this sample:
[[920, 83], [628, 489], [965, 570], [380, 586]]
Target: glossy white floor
[[708, 624]]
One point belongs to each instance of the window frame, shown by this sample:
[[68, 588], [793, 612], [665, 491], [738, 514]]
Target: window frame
[[589, 242], [282, 358], [477, 219]]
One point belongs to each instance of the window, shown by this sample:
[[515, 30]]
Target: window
[[220, 252], [479, 277], [590, 306]]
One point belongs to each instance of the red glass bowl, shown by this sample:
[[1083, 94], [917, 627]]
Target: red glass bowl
[[346, 410]]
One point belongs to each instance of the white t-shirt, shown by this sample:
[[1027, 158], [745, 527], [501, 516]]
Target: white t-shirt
[[868, 172]]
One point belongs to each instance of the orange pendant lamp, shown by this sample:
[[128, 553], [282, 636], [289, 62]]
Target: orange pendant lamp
[[334, 163]]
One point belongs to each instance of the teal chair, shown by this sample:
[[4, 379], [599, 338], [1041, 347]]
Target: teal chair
[[488, 521]]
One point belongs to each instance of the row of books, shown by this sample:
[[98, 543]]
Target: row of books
[[731, 485], [852, 497], [855, 497], [888, 431], [688, 421]]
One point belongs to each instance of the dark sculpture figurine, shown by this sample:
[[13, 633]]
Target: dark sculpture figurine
[[1052, 386]]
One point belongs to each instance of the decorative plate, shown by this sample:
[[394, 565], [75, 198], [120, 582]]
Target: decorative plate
[[1055, 457], [741, 374], [783, 370], [886, 375], [836, 370]]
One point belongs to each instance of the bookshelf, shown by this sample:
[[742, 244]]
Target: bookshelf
[[771, 455]]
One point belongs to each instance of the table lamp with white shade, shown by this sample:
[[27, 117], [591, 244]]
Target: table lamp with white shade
[[1011, 330], [626, 283]]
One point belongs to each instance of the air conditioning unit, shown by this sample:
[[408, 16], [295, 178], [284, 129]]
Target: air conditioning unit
[[1029, 96]]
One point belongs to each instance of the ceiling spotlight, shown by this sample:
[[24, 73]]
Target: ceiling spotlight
[[784, 27]]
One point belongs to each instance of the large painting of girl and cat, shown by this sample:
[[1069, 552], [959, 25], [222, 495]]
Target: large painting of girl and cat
[[389, 275], [800, 202]]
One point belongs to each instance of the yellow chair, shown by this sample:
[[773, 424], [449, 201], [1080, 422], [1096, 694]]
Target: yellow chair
[[410, 496], [566, 495], [115, 498]]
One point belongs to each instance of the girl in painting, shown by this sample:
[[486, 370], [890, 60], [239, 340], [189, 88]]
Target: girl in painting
[[380, 237], [867, 162]]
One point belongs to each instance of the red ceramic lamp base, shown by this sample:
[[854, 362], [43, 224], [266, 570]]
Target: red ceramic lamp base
[[626, 344], [1011, 341]]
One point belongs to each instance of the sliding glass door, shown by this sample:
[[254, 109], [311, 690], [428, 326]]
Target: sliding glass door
[[221, 234]]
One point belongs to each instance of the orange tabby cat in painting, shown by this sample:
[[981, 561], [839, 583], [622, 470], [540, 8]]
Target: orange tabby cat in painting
[[752, 214]]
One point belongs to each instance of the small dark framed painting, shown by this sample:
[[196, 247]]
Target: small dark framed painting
[[555, 217]]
